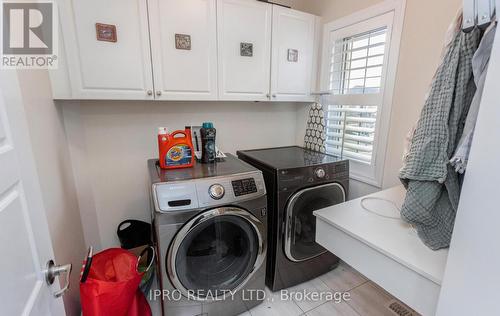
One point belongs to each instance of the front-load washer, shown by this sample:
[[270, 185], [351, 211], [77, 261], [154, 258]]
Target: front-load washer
[[298, 181], [210, 230]]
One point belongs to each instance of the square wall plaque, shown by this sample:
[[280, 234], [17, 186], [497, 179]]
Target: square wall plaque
[[105, 32], [246, 49], [183, 41], [293, 55]]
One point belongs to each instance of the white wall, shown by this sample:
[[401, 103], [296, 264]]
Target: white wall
[[50, 149], [110, 142], [425, 25], [471, 284]]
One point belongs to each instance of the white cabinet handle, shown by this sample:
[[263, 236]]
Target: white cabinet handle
[[150, 92], [158, 93], [274, 95]]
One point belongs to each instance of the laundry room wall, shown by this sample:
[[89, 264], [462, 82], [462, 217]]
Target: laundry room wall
[[425, 25], [110, 142]]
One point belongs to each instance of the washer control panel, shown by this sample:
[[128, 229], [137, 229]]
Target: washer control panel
[[244, 186], [208, 192], [216, 191]]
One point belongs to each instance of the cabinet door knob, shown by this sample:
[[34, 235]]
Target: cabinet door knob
[[274, 95], [149, 92], [268, 96], [158, 93]]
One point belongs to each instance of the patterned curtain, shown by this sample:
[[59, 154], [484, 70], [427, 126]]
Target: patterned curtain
[[315, 130]]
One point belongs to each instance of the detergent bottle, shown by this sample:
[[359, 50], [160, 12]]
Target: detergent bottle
[[176, 149], [208, 152]]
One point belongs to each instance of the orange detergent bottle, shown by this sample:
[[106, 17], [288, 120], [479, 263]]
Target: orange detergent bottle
[[176, 149]]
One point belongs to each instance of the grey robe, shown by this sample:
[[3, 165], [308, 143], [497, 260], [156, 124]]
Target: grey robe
[[433, 188]]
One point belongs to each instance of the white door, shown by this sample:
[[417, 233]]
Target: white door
[[107, 46], [184, 49], [25, 244], [244, 41], [292, 55]]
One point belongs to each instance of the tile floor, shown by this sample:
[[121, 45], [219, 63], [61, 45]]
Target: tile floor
[[366, 298]]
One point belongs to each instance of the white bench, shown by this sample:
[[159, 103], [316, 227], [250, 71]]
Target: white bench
[[387, 251]]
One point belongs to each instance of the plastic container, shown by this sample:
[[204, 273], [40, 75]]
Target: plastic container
[[176, 149], [133, 233], [208, 152], [135, 236]]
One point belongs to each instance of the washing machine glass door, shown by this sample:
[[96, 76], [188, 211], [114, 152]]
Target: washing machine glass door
[[300, 228], [215, 252]]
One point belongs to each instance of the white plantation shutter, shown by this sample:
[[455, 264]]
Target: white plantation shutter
[[355, 66], [357, 62], [350, 131]]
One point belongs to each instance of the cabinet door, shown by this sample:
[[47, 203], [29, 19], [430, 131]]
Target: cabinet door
[[184, 49], [292, 55], [115, 65], [244, 39]]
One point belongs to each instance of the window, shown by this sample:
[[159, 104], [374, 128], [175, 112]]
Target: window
[[358, 70], [357, 61], [350, 131]]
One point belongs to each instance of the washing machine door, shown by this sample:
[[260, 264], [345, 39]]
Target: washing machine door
[[216, 252], [300, 225]]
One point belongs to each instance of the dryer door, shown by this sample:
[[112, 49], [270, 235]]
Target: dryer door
[[300, 228], [215, 252]]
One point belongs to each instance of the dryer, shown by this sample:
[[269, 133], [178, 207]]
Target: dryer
[[210, 230], [298, 181]]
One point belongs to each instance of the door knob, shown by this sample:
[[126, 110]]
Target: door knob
[[274, 95], [54, 271], [268, 96], [150, 92], [158, 93]]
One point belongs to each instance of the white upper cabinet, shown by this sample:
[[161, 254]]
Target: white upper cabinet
[[184, 49], [107, 50], [293, 55], [241, 50], [244, 41]]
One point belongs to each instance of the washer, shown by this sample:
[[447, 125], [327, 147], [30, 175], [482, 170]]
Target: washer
[[299, 181], [210, 230]]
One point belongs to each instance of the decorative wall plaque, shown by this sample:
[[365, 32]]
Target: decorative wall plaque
[[183, 41], [246, 49], [293, 55], [105, 32]]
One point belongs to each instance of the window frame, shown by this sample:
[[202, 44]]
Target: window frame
[[388, 14]]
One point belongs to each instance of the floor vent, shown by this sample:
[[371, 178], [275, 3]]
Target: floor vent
[[397, 308]]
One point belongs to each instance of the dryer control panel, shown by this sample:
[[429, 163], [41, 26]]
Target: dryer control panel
[[207, 192], [291, 179]]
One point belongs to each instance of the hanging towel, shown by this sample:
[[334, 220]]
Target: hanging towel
[[433, 188], [480, 63], [454, 29], [315, 130]]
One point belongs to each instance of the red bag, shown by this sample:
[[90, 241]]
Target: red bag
[[112, 286]]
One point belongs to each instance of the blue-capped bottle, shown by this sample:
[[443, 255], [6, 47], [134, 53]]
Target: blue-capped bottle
[[208, 152]]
